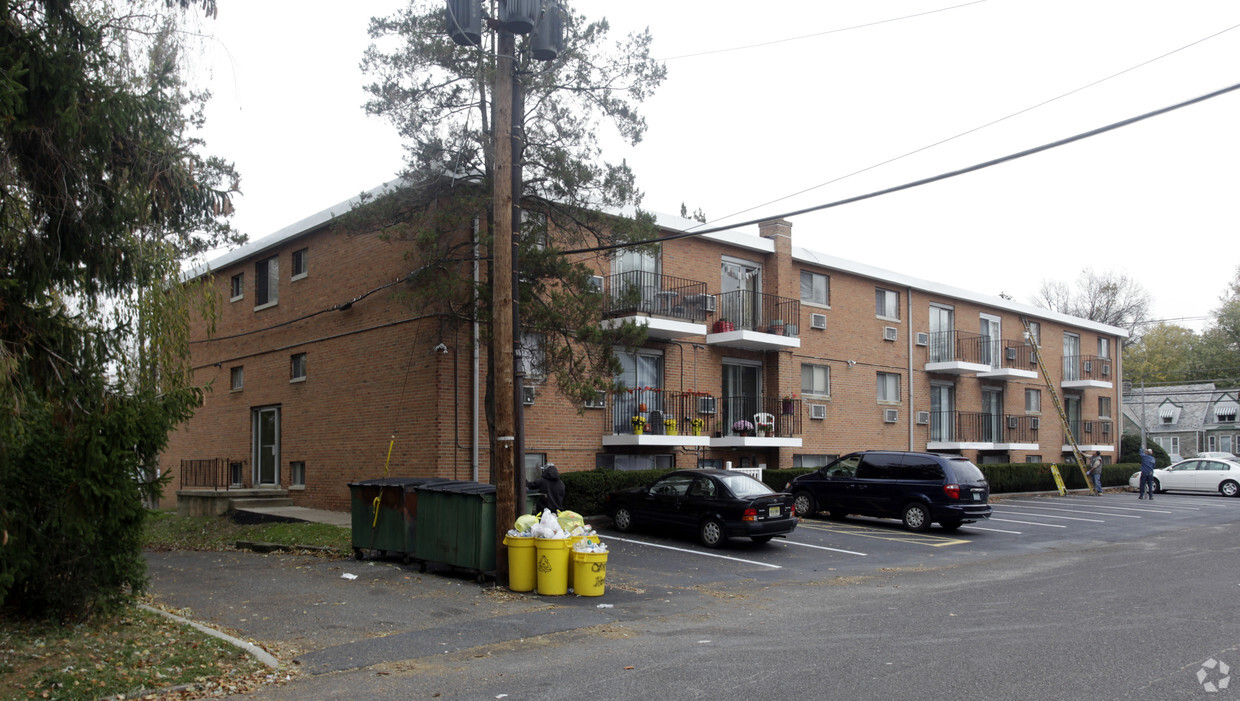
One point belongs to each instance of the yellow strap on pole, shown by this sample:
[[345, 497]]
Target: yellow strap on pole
[[388, 461]]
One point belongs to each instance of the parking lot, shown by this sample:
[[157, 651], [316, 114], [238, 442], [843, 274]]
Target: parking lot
[[822, 548]]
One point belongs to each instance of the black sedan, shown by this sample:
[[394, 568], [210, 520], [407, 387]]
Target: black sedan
[[718, 504]]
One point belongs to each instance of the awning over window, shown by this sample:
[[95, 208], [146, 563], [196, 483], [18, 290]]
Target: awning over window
[[1167, 411], [1225, 411]]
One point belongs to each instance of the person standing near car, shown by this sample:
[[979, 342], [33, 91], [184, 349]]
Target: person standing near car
[[1147, 474], [1095, 472]]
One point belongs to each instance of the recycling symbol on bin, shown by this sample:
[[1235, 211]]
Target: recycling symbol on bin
[[544, 564]]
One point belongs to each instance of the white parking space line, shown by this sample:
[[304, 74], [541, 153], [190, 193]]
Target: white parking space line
[[823, 547], [693, 552], [992, 530], [1029, 523], [1142, 509], [1058, 518], [1028, 505]]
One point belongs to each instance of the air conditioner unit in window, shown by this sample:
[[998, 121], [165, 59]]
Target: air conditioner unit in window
[[1034, 423], [1106, 369], [1089, 426], [818, 411], [923, 417], [1087, 366], [818, 321], [706, 405], [596, 282], [708, 303], [891, 416], [923, 338], [527, 395], [890, 333], [1012, 422], [598, 402], [1010, 353]]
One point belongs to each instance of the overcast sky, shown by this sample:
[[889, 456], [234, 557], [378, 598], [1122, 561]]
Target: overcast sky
[[775, 107]]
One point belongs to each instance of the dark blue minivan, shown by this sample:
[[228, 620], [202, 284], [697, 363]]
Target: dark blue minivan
[[918, 488]]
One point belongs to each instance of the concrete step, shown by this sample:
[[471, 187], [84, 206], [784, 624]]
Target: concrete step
[[260, 502]]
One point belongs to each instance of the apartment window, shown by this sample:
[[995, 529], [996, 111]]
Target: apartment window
[[531, 357], [301, 263], [533, 465], [710, 464], [887, 303], [1104, 407], [1035, 331], [1033, 401], [1033, 458], [812, 461], [297, 473], [815, 288], [236, 288], [534, 229], [610, 461], [297, 370], [1104, 347], [266, 282], [888, 387], [815, 379], [1170, 444], [236, 378]]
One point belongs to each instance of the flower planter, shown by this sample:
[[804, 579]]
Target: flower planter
[[697, 431], [788, 407], [637, 430], [724, 326], [641, 407]]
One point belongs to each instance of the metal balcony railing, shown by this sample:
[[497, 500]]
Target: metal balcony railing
[[655, 407], [977, 427], [1091, 431], [638, 291], [1087, 367], [948, 346], [756, 311], [215, 473], [747, 415]]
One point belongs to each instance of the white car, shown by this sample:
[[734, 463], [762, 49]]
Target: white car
[[1196, 475], [1214, 454]]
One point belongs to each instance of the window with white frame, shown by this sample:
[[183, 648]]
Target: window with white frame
[[811, 461], [236, 378], [1035, 332], [266, 282], [1033, 458], [886, 303], [534, 229], [815, 379], [815, 288], [533, 466], [1169, 444], [888, 387], [1104, 407], [1104, 347], [1033, 401], [236, 287], [297, 367], [301, 263], [531, 357], [621, 462], [297, 473]]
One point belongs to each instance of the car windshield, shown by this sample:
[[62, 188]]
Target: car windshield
[[743, 485]]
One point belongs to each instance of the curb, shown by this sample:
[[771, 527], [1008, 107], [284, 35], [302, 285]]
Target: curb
[[257, 652]]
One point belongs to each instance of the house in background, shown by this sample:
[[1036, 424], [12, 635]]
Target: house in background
[[761, 354], [1185, 419]]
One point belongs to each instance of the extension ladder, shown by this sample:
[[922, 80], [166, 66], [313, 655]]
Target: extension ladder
[[1036, 344]]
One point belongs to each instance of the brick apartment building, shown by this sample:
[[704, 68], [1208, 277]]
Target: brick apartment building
[[321, 375]]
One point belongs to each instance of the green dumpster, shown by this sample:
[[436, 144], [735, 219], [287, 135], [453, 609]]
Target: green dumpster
[[456, 524], [391, 525]]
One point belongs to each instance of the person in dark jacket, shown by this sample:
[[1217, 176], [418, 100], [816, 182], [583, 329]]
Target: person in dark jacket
[[1146, 485], [550, 489]]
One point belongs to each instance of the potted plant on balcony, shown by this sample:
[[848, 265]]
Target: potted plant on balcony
[[669, 427], [788, 403], [639, 425], [742, 427], [696, 425]]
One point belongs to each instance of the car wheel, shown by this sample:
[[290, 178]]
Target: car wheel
[[805, 504], [762, 539], [1156, 486], [950, 526], [1229, 488], [622, 519], [917, 517], [711, 533]]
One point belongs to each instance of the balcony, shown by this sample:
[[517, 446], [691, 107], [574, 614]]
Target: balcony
[[655, 408], [756, 321], [1087, 371], [1091, 435], [958, 353], [1009, 360], [668, 307], [758, 422], [963, 430]]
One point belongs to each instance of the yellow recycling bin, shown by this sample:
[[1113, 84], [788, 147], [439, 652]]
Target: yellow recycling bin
[[552, 565], [520, 563], [590, 573]]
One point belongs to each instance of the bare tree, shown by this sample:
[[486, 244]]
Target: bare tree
[[1108, 298]]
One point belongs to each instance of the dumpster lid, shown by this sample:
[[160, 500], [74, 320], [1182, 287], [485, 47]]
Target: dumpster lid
[[397, 482], [458, 487]]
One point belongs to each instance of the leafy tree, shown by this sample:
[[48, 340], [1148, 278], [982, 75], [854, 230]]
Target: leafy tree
[[1112, 299], [438, 95], [1130, 450], [101, 191], [1164, 353], [1217, 355]]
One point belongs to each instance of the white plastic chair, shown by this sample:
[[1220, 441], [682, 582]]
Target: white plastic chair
[[764, 418]]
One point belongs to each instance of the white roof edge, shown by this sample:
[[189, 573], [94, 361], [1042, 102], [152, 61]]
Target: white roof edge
[[829, 261]]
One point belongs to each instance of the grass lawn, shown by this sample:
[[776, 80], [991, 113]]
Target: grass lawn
[[139, 654]]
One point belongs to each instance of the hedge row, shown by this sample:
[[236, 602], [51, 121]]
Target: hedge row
[[586, 492]]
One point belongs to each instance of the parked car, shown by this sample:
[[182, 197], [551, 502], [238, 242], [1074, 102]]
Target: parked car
[[717, 504], [1213, 454], [1195, 475], [918, 488]]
